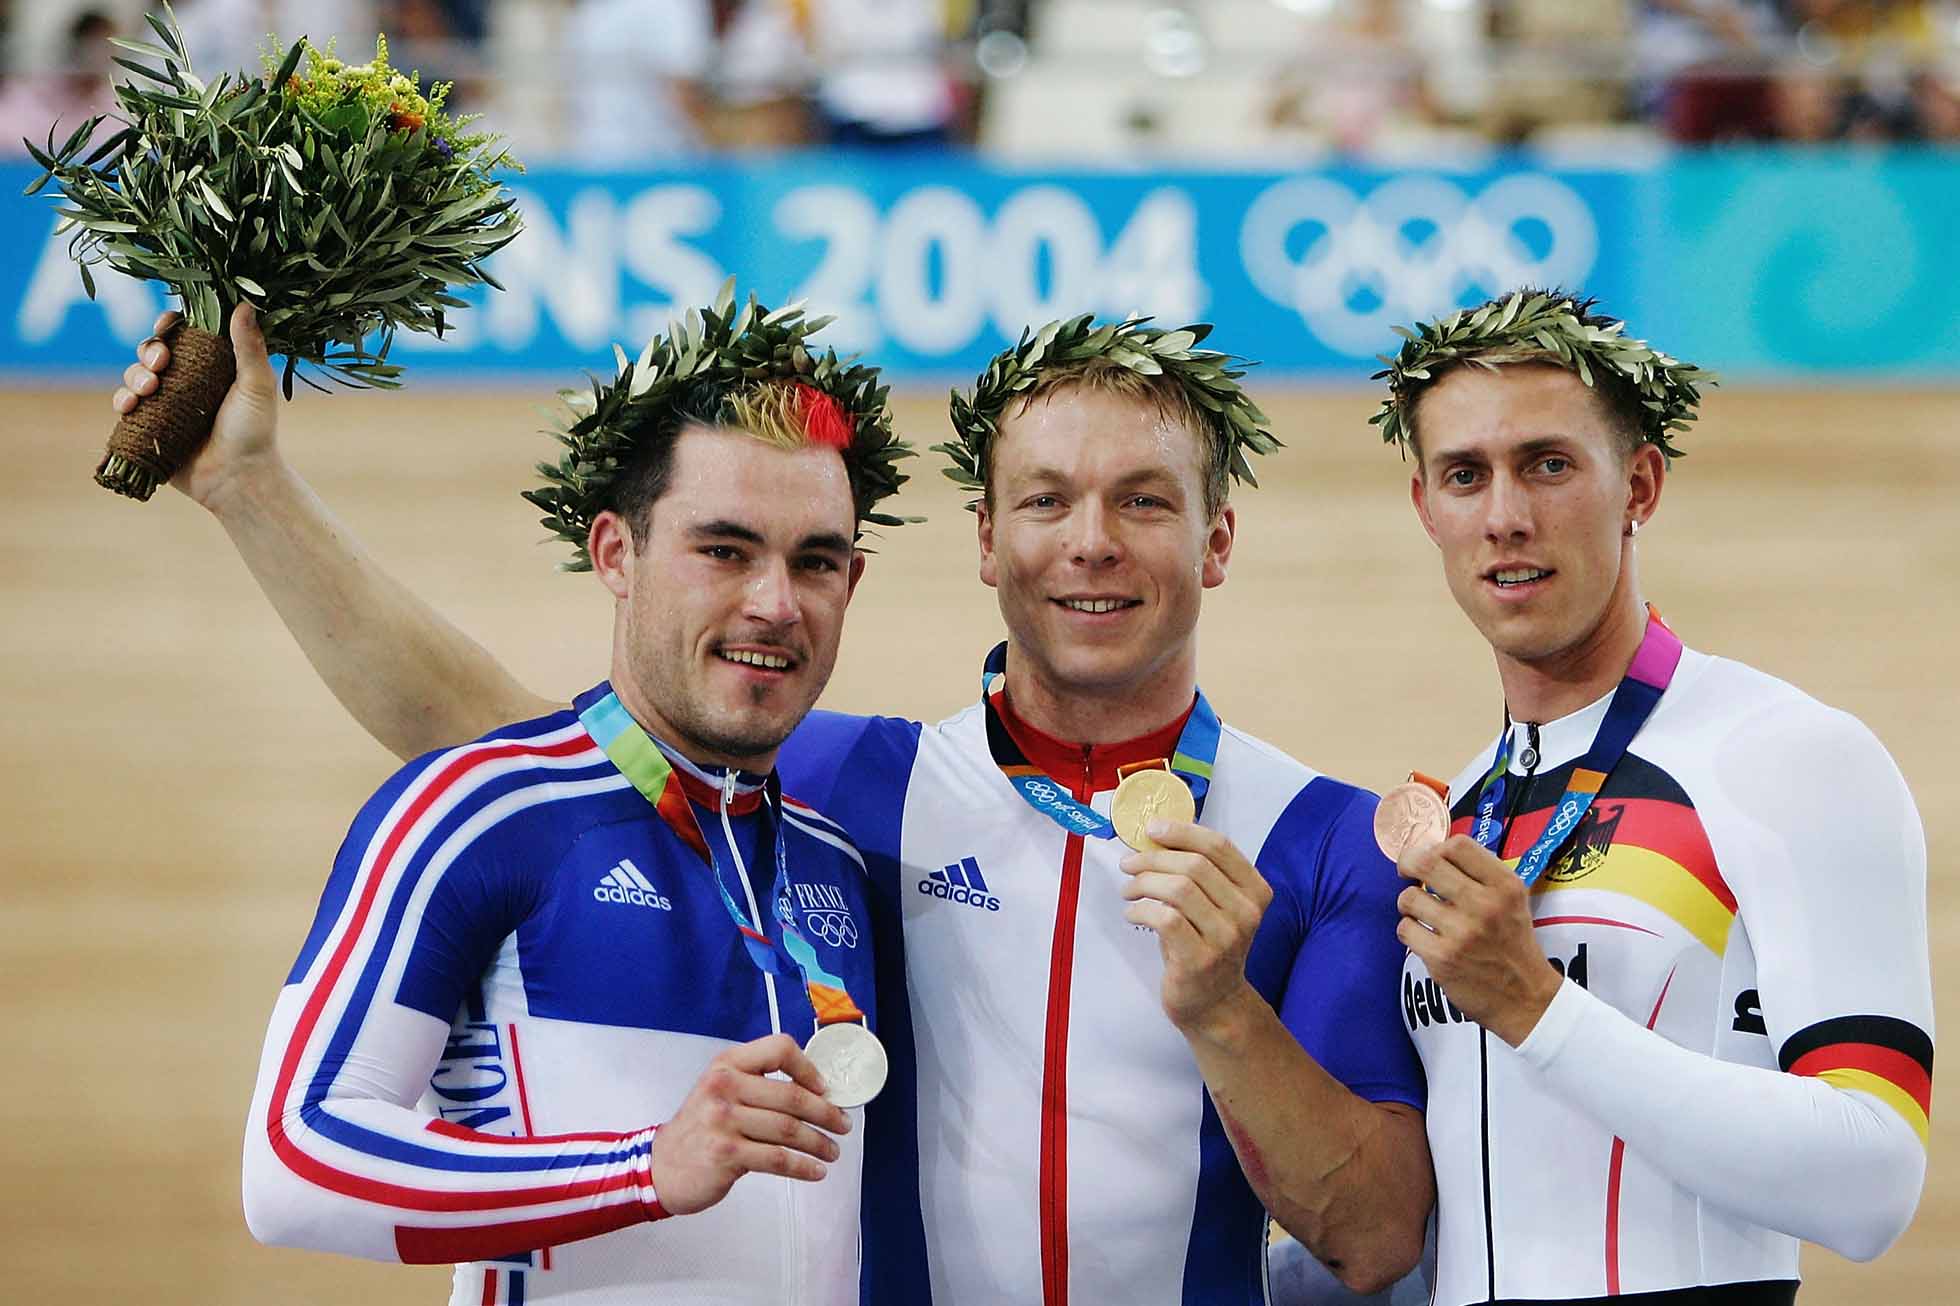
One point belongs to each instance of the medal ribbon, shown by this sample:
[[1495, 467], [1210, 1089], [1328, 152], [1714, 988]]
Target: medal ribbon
[[1192, 759], [1639, 693], [640, 760]]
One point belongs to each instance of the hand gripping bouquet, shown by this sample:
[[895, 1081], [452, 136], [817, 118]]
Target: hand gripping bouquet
[[337, 199]]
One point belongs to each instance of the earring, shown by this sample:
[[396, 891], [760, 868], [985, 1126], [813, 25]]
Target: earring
[[1633, 529]]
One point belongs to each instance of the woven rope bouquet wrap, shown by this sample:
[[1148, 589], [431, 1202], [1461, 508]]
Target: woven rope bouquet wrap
[[337, 199]]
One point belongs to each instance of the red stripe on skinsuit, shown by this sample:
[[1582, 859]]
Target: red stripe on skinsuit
[[1054, 1086], [1613, 1178], [524, 1104], [1887, 1063], [454, 772], [435, 1246]]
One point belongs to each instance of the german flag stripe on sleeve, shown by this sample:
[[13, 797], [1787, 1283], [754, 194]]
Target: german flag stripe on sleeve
[[1889, 1058]]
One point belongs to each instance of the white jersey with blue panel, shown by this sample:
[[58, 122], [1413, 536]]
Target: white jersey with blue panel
[[518, 969], [1065, 1147]]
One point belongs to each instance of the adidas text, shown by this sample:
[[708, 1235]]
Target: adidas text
[[624, 884], [960, 882]]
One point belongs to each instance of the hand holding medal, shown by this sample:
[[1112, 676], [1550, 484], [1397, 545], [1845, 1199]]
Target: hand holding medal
[[852, 1062], [1188, 884], [1412, 815], [1193, 887], [1468, 913], [1154, 793], [756, 1109]]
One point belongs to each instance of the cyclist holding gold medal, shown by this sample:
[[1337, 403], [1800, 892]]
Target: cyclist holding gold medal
[[1049, 1135]]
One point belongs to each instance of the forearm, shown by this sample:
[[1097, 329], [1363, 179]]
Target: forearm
[[410, 678], [1350, 1179], [351, 1167], [1779, 1150]]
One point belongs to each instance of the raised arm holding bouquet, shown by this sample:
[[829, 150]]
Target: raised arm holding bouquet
[[336, 200]]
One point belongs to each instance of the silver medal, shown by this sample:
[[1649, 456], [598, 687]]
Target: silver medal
[[851, 1060]]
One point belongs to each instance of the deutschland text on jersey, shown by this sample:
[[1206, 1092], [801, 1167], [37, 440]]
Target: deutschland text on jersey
[[1748, 884]]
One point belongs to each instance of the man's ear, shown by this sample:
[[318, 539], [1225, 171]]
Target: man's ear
[[1646, 475], [1218, 547], [989, 574], [610, 546], [1419, 497], [856, 574]]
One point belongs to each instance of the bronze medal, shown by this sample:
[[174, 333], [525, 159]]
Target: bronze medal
[[1411, 815]]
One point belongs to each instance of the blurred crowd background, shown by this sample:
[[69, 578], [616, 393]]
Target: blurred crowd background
[[632, 84]]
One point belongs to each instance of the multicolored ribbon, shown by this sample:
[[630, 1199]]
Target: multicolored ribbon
[[1639, 693], [1196, 751], [640, 760]]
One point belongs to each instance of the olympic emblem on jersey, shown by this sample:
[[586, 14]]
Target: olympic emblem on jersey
[[1414, 247], [826, 913], [834, 927]]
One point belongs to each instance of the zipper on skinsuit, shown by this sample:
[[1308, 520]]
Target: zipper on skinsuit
[[1528, 759], [792, 1242]]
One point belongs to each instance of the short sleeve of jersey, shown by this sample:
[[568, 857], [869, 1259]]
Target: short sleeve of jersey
[[809, 760], [1827, 859], [853, 769], [1341, 997]]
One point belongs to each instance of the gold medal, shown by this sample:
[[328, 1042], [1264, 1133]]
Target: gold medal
[[1155, 794]]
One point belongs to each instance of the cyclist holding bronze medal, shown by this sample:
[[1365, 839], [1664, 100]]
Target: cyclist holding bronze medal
[[1668, 969]]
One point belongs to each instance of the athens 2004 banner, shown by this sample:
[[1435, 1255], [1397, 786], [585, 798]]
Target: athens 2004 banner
[[1762, 264]]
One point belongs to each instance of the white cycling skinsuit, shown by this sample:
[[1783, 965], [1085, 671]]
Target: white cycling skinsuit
[[1741, 1053]]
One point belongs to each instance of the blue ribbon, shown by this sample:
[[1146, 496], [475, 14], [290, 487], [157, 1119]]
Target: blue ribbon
[[1196, 752], [1638, 694]]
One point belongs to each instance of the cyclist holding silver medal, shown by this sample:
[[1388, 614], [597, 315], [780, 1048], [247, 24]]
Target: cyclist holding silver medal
[[1139, 1160]]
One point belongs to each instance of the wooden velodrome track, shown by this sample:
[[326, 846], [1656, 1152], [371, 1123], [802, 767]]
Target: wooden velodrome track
[[176, 780]]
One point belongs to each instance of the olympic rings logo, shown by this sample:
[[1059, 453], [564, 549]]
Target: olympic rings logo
[[1040, 792], [1414, 247], [834, 927]]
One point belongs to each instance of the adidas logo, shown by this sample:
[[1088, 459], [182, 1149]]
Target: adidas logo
[[624, 884], [960, 882]]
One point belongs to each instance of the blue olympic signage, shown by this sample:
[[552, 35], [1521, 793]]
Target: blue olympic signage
[[1765, 264]]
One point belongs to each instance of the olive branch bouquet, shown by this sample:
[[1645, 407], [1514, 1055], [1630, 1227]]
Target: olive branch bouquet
[[338, 200]]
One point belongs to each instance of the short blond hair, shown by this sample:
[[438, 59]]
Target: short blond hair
[[781, 413], [1158, 393], [771, 411]]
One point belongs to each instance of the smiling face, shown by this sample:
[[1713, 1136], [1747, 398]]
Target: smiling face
[[731, 607], [1097, 541], [1527, 490]]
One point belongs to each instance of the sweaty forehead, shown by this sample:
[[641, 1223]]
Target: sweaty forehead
[[1490, 408], [733, 476], [1093, 434]]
